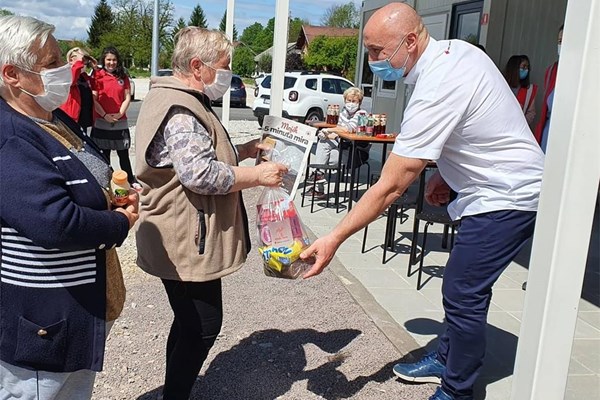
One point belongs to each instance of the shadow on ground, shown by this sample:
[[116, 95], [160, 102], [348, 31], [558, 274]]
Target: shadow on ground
[[499, 359], [266, 364]]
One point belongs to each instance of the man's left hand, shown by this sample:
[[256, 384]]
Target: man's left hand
[[437, 192]]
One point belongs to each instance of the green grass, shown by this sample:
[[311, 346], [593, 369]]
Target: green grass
[[139, 73]]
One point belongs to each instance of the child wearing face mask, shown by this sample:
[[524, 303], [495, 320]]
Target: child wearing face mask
[[517, 74], [327, 152]]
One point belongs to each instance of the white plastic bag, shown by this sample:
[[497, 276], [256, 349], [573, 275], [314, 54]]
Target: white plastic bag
[[281, 235]]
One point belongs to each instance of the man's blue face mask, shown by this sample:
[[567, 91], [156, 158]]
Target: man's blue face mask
[[384, 70]]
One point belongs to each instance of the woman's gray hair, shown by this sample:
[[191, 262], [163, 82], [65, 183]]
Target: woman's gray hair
[[354, 92], [194, 42], [20, 40]]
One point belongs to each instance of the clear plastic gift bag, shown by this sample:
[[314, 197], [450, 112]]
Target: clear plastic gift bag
[[281, 235]]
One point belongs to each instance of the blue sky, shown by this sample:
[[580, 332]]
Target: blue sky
[[72, 17]]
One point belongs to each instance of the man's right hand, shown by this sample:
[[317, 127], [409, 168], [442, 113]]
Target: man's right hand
[[323, 250]]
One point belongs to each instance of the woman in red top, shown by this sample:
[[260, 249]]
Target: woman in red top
[[112, 96], [541, 131], [517, 75]]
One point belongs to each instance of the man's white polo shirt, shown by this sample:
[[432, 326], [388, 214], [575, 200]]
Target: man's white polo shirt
[[463, 114]]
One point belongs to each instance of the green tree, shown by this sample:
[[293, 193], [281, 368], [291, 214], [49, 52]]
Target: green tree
[[102, 21], [250, 37], [198, 18], [224, 22], [131, 31], [265, 39], [294, 62], [243, 61], [342, 16], [179, 25], [4, 12], [265, 63], [337, 54], [295, 28], [66, 45]]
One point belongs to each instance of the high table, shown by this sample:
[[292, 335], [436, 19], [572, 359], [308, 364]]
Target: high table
[[354, 139], [321, 124]]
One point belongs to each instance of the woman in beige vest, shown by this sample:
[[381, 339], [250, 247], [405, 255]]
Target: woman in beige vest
[[193, 227]]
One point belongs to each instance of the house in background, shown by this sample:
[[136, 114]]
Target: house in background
[[309, 32], [291, 49]]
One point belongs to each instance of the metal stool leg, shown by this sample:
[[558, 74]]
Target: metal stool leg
[[413, 246], [420, 274], [328, 191], [388, 237], [445, 237], [312, 195], [364, 243]]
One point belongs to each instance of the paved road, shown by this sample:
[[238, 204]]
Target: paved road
[[235, 114]]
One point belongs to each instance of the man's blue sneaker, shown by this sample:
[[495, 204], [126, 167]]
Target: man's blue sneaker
[[426, 370], [441, 395]]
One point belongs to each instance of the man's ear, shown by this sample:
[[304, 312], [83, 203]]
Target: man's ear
[[10, 75], [411, 41]]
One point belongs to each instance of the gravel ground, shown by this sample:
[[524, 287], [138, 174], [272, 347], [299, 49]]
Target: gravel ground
[[280, 339]]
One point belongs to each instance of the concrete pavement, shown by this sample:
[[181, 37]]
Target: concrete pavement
[[419, 313], [411, 319]]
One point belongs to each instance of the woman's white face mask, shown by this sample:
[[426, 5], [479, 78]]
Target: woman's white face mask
[[221, 84], [351, 107], [57, 83]]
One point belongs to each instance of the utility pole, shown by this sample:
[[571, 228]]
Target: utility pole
[[154, 62]]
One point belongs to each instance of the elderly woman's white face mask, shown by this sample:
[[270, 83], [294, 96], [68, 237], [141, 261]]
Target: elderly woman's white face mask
[[57, 83], [220, 85]]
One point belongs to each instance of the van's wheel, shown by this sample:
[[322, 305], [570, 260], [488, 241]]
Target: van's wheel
[[314, 115], [261, 119]]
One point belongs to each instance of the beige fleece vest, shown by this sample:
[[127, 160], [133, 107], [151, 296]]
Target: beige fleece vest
[[183, 235]]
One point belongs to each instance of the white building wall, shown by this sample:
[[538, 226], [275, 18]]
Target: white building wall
[[515, 27]]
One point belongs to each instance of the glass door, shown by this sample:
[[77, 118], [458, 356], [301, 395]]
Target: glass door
[[466, 21]]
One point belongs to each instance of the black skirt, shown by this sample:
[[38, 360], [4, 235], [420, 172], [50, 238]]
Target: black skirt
[[119, 139]]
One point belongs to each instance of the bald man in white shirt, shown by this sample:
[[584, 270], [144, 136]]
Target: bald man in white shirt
[[463, 115]]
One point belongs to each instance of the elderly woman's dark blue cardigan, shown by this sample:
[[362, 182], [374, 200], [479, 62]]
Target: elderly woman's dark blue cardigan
[[55, 232]]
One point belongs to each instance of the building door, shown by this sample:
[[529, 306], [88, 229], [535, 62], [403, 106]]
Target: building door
[[466, 21]]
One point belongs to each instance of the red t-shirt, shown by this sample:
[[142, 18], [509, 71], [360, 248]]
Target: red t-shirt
[[111, 91], [73, 104]]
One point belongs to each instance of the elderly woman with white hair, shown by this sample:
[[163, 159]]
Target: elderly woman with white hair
[[193, 227], [327, 151], [58, 229]]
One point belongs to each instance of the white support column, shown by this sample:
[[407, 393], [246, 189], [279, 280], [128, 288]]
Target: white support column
[[229, 32], [565, 214], [280, 39]]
